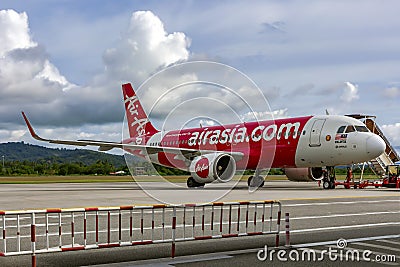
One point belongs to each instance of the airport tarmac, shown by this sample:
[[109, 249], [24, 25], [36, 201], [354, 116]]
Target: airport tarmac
[[72, 195], [367, 218]]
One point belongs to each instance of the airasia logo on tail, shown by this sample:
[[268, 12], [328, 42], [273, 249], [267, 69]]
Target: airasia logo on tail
[[140, 124], [202, 168]]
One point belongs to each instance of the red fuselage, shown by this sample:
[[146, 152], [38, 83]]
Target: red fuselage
[[264, 144]]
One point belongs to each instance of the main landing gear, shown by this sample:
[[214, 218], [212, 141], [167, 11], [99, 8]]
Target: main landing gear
[[328, 182], [256, 180], [191, 182]]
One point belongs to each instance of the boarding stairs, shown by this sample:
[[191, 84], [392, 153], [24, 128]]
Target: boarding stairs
[[379, 164], [389, 157]]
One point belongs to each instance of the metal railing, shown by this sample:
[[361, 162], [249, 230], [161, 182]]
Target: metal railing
[[56, 230]]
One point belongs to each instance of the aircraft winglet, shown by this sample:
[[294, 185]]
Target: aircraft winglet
[[31, 130]]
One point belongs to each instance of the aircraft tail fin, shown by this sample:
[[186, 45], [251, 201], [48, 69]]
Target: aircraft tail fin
[[138, 122]]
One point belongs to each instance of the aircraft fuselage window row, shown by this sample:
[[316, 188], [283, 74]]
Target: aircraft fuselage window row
[[169, 143]]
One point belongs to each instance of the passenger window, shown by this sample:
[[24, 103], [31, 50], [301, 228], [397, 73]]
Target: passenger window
[[362, 129], [341, 129], [350, 129]]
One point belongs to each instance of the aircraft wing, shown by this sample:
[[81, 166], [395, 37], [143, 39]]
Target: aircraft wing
[[105, 146]]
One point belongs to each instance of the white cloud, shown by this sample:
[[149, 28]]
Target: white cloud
[[207, 123], [14, 31], [350, 92], [30, 81], [51, 74], [11, 136], [266, 115], [144, 48], [392, 131]]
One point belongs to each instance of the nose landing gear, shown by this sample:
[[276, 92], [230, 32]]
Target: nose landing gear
[[328, 182]]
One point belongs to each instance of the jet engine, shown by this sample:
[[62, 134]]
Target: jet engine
[[304, 174], [207, 168]]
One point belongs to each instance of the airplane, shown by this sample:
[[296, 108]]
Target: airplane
[[307, 148]]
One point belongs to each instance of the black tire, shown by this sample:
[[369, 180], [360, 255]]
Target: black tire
[[191, 182], [326, 185], [249, 180], [332, 185]]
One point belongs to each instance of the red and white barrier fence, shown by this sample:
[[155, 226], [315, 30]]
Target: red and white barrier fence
[[287, 230], [55, 230]]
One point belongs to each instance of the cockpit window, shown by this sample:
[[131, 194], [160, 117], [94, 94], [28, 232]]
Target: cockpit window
[[362, 129], [350, 129], [341, 129]]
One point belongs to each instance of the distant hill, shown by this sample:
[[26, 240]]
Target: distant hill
[[21, 151]]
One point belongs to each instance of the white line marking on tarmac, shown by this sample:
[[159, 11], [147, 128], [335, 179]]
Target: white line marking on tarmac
[[340, 202], [376, 246], [341, 227], [390, 242], [345, 215], [167, 262]]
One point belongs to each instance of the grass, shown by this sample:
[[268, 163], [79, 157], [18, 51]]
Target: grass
[[63, 179]]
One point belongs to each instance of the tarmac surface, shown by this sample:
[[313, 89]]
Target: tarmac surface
[[71, 195], [367, 219]]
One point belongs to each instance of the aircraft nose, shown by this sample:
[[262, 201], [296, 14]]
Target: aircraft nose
[[375, 146]]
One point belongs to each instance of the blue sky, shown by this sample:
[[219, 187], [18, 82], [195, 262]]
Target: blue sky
[[63, 61]]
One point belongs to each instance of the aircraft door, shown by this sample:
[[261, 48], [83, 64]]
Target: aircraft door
[[315, 134]]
